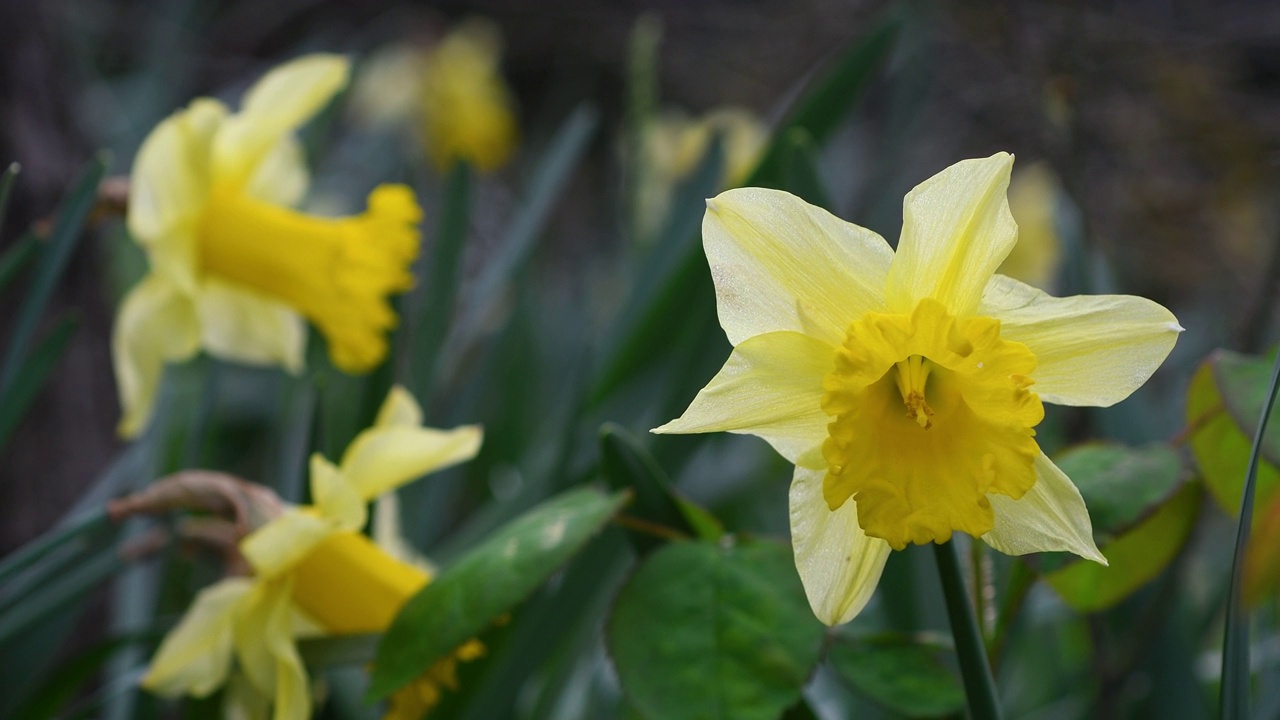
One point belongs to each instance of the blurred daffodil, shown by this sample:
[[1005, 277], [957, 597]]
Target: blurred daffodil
[[468, 113], [1033, 201], [315, 573], [906, 386], [233, 270]]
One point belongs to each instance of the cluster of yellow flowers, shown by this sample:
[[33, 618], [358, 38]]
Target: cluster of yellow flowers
[[905, 386]]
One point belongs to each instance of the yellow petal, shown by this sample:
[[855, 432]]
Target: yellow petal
[[281, 178], [168, 187], [771, 386], [400, 408], [156, 325], [956, 230], [281, 543], [385, 457], [780, 263], [1090, 349], [239, 324], [1051, 516], [195, 656], [335, 496], [265, 647], [1033, 196], [281, 102], [838, 564]]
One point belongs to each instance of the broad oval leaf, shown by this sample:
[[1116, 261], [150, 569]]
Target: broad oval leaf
[[714, 632], [1224, 402], [901, 674], [1142, 508], [487, 582]]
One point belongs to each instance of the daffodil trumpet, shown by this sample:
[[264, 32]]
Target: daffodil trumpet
[[906, 386], [233, 268], [303, 571]]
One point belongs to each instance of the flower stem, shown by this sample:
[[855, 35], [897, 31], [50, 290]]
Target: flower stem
[[979, 686]]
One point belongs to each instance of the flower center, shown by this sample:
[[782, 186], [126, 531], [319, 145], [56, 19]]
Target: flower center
[[967, 429], [336, 272], [350, 585]]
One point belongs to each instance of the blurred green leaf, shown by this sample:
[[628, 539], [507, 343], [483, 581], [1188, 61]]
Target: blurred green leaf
[[17, 257], [799, 167], [32, 376], [68, 228], [61, 687], [487, 582], [6, 187], [86, 531], [712, 631], [625, 463], [1121, 485], [901, 674], [1135, 557], [65, 589], [1219, 438], [435, 303]]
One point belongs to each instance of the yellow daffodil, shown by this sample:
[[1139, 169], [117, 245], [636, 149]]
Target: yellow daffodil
[[906, 386], [468, 114], [1033, 200], [233, 270], [315, 573], [676, 143]]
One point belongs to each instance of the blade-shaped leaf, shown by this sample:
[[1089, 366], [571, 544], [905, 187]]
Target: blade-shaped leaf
[[487, 582], [32, 375], [714, 632]]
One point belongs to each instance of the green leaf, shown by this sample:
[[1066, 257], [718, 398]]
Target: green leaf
[[799, 166], [901, 674], [1135, 558], [487, 582], [68, 228], [32, 376], [714, 631], [18, 257], [6, 187], [625, 463], [1223, 391], [1122, 485], [435, 303]]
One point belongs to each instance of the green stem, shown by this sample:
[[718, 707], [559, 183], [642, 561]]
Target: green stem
[[979, 686], [1234, 700]]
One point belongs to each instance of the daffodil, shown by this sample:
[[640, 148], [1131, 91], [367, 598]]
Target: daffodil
[[676, 143], [468, 113], [233, 270], [906, 386], [315, 573]]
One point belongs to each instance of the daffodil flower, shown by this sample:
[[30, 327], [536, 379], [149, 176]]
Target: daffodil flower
[[233, 270], [906, 386], [467, 111], [315, 573], [1033, 200]]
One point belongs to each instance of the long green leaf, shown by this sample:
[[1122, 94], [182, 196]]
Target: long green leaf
[[60, 592], [491, 579], [1234, 701], [32, 376], [434, 311], [93, 525], [67, 230], [6, 187], [16, 258]]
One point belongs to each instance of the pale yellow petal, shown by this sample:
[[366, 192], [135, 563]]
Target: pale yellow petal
[[242, 701], [195, 656], [771, 386], [1090, 349], [956, 230], [400, 408], [335, 496], [281, 102], [838, 564], [1051, 516], [1033, 199], [383, 458], [156, 325], [281, 177], [244, 326], [281, 543], [168, 187], [265, 647], [780, 263]]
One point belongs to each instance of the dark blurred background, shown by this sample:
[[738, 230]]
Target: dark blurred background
[[1162, 120]]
